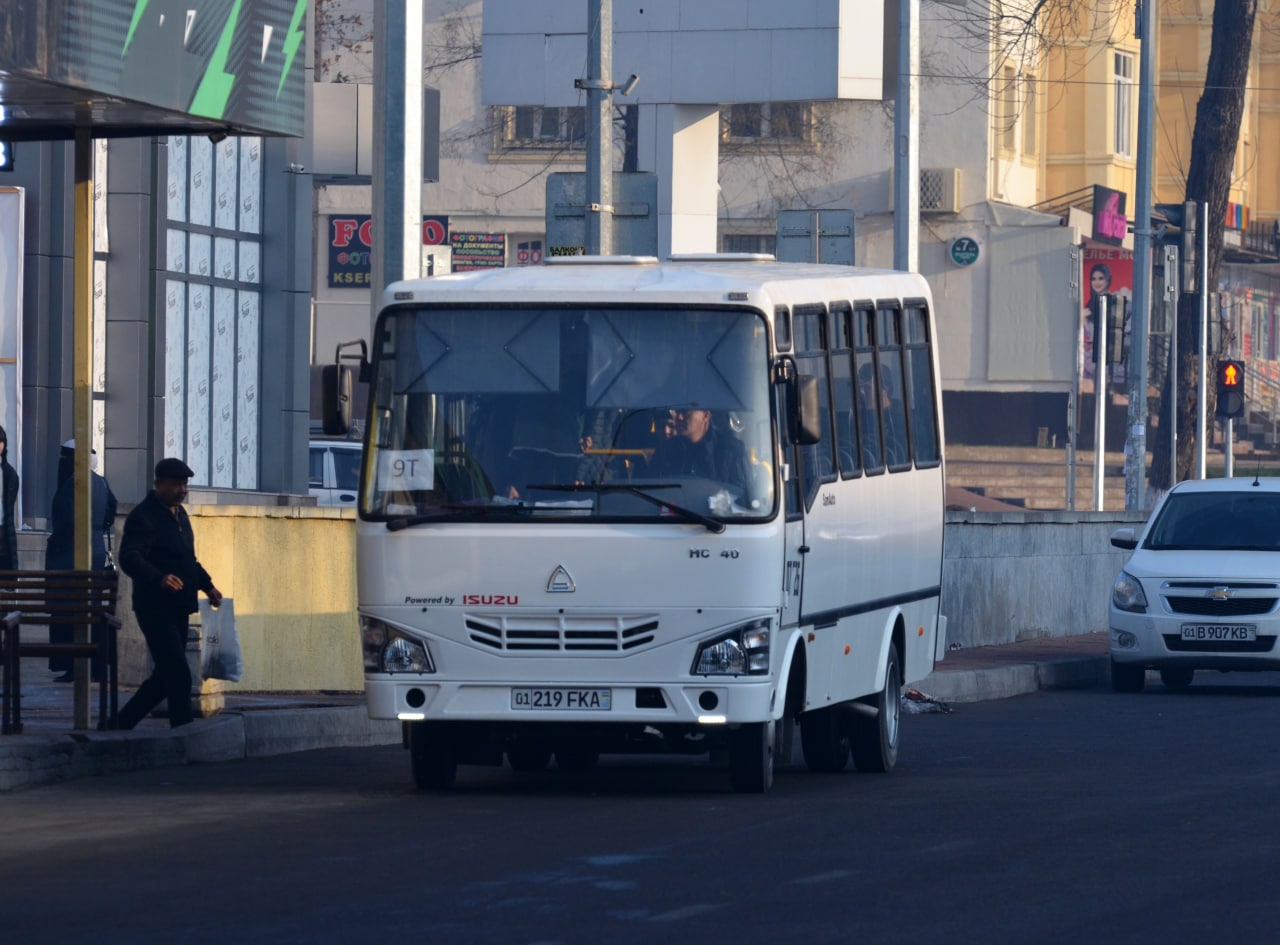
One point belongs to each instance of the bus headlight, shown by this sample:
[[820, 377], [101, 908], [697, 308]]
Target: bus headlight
[[743, 651], [387, 650]]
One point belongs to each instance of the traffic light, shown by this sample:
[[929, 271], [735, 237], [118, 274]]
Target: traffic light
[[1230, 376]]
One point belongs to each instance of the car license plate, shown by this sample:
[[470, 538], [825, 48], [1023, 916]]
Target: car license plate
[[562, 698], [1220, 632]]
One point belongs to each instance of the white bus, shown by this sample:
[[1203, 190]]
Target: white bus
[[613, 505]]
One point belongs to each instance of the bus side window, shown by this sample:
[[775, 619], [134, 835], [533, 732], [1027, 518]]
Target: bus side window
[[920, 388], [895, 417], [846, 432], [869, 413]]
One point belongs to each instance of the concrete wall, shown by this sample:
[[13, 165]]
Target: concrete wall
[[291, 572], [1006, 576], [1010, 576]]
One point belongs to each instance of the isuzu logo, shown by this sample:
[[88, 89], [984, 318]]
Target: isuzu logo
[[560, 582]]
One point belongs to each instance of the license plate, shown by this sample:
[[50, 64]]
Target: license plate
[[1220, 632], [587, 700]]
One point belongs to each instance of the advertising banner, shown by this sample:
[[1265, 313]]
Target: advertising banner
[[351, 242], [478, 251], [1106, 270]]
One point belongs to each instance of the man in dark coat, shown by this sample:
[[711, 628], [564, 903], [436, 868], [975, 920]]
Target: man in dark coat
[[59, 553], [8, 507], [158, 552]]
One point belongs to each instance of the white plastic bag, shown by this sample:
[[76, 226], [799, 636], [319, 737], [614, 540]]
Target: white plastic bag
[[220, 650]]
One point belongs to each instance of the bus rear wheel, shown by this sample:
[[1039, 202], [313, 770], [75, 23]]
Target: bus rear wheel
[[751, 758], [432, 755], [873, 739]]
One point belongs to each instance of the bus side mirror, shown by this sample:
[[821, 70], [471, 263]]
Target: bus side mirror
[[807, 423], [335, 389]]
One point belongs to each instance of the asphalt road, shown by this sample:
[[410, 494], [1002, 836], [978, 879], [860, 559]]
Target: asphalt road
[[1062, 817]]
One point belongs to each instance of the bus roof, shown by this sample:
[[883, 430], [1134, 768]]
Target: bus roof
[[695, 279]]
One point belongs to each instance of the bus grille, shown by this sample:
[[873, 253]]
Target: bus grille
[[559, 634]]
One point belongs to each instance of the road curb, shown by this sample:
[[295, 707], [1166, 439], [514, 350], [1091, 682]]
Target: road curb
[[29, 760], [1003, 682]]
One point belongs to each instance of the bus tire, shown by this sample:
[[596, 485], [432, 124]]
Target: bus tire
[[751, 758], [824, 739], [431, 753], [873, 740]]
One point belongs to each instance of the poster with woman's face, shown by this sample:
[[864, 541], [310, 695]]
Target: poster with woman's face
[[1107, 269]]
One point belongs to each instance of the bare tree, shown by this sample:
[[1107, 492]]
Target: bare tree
[[1213, 149]]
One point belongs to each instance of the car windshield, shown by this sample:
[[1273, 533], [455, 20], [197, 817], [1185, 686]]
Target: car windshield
[[527, 413], [1217, 521]]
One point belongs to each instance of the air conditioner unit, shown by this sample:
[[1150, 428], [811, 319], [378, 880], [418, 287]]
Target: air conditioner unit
[[939, 189]]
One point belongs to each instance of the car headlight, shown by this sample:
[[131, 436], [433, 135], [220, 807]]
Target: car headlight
[[1127, 594], [387, 650], [743, 651]]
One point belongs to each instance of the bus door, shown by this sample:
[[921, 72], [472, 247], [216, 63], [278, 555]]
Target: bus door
[[794, 530]]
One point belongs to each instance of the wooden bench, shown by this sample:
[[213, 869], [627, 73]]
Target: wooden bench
[[46, 598]]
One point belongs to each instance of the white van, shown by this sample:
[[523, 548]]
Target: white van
[[335, 471]]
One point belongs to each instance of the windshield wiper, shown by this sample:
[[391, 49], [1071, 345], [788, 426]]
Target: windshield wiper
[[689, 515]]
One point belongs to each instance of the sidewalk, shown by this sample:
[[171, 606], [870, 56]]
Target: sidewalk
[[254, 724]]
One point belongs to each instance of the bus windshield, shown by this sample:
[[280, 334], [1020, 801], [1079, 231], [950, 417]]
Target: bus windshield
[[535, 413]]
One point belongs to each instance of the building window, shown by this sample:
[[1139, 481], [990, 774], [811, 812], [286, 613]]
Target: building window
[[759, 121], [1008, 117], [533, 126], [750, 243], [212, 301], [1029, 117], [1124, 104]]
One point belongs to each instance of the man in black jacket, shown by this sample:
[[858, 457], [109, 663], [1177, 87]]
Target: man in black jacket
[[158, 552]]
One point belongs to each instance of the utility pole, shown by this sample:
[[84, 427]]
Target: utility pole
[[1136, 440], [397, 143], [906, 152], [599, 86]]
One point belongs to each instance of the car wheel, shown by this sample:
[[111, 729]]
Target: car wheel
[[824, 740], [1177, 677], [431, 752], [751, 758], [1128, 677], [528, 758], [873, 740]]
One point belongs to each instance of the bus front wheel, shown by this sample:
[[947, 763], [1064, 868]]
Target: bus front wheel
[[874, 738], [431, 752], [751, 758]]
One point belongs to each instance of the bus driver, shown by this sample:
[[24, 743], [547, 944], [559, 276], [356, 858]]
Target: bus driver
[[699, 449]]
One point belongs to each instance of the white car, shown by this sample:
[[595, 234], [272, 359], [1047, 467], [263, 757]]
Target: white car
[[335, 471], [1202, 587]]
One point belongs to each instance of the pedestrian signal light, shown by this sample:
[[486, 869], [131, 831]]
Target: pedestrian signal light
[[1230, 376]]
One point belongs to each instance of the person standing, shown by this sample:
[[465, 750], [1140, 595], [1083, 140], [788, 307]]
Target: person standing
[[59, 553], [158, 552], [8, 507]]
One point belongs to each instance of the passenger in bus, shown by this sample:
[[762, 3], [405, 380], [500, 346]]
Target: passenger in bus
[[699, 448], [886, 402]]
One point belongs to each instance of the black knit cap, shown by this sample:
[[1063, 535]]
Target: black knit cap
[[171, 468]]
